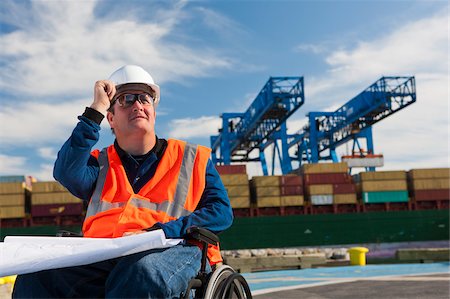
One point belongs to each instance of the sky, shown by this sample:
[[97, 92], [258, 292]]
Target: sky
[[211, 57]]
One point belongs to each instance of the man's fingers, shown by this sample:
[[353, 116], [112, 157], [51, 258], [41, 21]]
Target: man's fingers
[[110, 89]]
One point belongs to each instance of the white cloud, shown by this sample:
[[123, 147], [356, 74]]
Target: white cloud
[[17, 165], [416, 48], [194, 127], [295, 125], [33, 124], [44, 173], [411, 49], [12, 165], [418, 135], [63, 47], [48, 153], [313, 48], [221, 24], [60, 48]]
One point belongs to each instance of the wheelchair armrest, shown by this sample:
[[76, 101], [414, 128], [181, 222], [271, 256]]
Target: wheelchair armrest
[[202, 234]]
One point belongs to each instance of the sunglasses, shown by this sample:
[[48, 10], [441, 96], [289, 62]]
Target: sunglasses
[[127, 100]]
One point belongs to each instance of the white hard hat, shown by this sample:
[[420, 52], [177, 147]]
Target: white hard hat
[[135, 74]]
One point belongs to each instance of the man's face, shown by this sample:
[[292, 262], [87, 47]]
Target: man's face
[[138, 118]]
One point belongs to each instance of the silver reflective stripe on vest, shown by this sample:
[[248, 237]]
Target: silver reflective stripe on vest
[[174, 209], [184, 179], [94, 205], [170, 208]]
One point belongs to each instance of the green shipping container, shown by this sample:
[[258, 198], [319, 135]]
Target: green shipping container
[[385, 196]]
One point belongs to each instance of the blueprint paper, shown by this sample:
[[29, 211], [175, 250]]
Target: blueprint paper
[[21, 255]]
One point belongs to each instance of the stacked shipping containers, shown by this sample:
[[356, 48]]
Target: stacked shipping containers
[[277, 195], [235, 180], [322, 187], [430, 188], [329, 184], [50, 201], [291, 191], [266, 194], [13, 197], [382, 187]]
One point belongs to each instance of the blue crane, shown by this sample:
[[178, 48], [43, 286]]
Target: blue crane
[[242, 133], [325, 131]]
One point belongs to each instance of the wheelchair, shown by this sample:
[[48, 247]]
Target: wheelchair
[[222, 282]]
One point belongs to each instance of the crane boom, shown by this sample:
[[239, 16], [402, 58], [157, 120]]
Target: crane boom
[[241, 133]]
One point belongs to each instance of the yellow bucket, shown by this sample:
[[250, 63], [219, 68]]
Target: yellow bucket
[[358, 256]]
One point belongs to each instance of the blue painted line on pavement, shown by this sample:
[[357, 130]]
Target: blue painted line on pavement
[[292, 278]]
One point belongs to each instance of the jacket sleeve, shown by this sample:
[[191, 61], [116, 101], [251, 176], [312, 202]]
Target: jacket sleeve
[[213, 213], [75, 168]]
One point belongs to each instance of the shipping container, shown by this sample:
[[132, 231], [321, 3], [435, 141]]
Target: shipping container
[[385, 196], [265, 181], [12, 188], [51, 186], [319, 189], [440, 194], [266, 191], [327, 178], [27, 180], [324, 199], [57, 209], [429, 173], [231, 169], [430, 184], [292, 200], [12, 212], [238, 191], [234, 179], [349, 198], [291, 180], [268, 201], [12, 200], [344, 188], [291, 190], [381, 175], [325, 168], [369, 186], [12, 178], [53, 198], [240, 202]]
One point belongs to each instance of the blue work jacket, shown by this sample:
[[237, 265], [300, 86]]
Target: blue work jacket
[[77, 170]]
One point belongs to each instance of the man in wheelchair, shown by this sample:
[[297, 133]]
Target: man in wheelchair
[[139, 183]]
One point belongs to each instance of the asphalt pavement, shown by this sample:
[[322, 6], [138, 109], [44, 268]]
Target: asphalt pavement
[[430, 281]]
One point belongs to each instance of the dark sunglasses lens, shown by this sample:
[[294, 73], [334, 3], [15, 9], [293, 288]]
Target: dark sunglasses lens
[[129, 100], [145, 99]]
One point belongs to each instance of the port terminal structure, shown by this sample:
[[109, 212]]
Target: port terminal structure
[[264, 124]]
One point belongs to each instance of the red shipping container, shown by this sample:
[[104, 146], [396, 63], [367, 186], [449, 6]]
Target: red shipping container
[[291, 190], [291, 180], [231, 169], [327, 178], [344, 188], [56, 209], [437, 194]]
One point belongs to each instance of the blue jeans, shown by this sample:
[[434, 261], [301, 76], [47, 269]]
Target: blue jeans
[[158, 273]]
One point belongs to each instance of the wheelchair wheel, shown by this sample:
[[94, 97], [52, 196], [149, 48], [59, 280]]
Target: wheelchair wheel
[[224, 282]]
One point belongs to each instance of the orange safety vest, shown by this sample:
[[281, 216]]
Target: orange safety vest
[[174, 191]]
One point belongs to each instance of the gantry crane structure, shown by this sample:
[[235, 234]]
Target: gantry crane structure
[[264, 124], [325, 131], [243, 133]]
